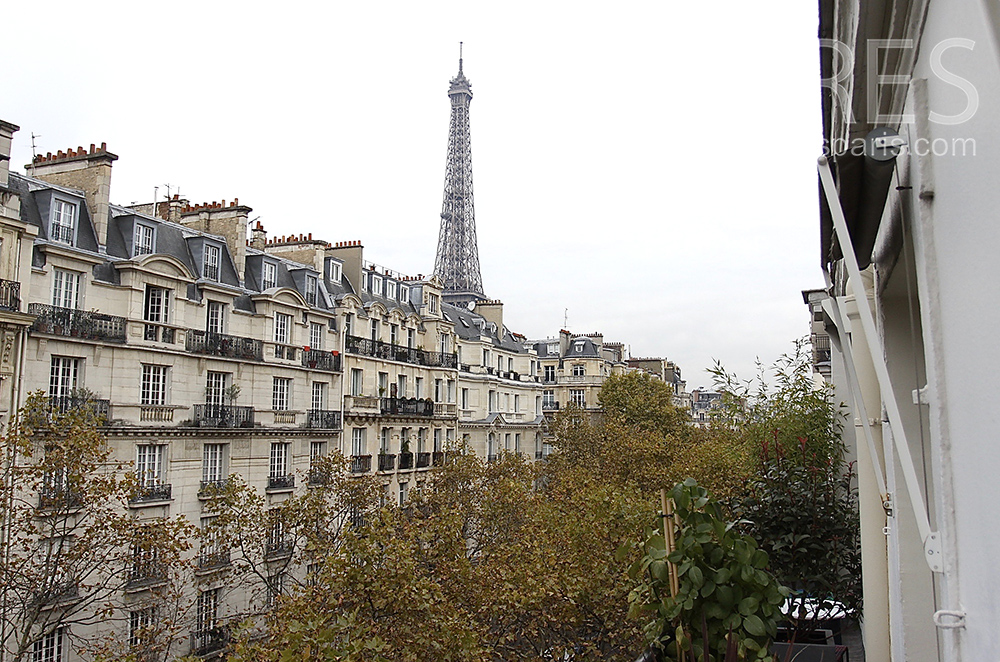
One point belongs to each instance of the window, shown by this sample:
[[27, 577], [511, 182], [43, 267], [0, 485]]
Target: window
[[268, 276], [311, 290], [207, 611], [493, 401], [315, 335], [451, 390], [383, 383], [374, 329], [211, 463], [486, 357], [156, 305], [394, 334], [404, 293], [550, 373], [376, 285], [65, 289], [140, 625], [432, 302], [506, 401], [438, 390], [409, 338], [404, 491], [48, 648], [280, 393], [390, 289], [577, 397], [348, 326], [359, 443], [279, 460], [517, 403], [579, 370], [149, 464], [357, 381], [153, 389], [282, 323], [142, 239], [215, 388], [421, 440], [449, 436], [385, 439], [63, 375], [534, 368], [548, 397], [213, 256], [401, 386], [319, 395], [275, 587], [317, 449], [578, 346], [517, 442], [510, 364], [465, 398], [437, 440], [506, 441], [334, 271], [418, 387], [63, 225], [444, 343], [216, 321]]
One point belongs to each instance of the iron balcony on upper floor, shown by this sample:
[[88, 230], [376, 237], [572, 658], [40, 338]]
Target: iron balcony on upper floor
[[321, 360], [10, 295], [223, 416], [407, 406], [383, 350], [75, 323], [221, 344]]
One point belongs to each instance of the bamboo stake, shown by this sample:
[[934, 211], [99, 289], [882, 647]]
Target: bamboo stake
[[667, 512]]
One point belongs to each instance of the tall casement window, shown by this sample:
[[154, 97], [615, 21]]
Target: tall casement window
[[394, 334], [269, 276], [63, 226], [517, 403], [493, 401], [281, 393], [383, 384], [418, 388], [149, 464], [421, 440], [65, 288], [401, 386], [156, 304], [334, 271], [311, 290], [207, 612], [444, 343], [142, 239], [438, 392], [409, 338], [216, 317], [282, 323], [279, 460], [153, 388], [48, 648], [385, 439], [140, 626], [359, 444], [357, 381], [318, 400], [577, 397], [317, 449], [211, 463], [390, 289], [316, 335], [215, 388], [517, 442], [213, 257], [64, 372], [465, 398], [348, 324], [549, 373], [374, 329], [437, 440], [548, 397], [579, 370]]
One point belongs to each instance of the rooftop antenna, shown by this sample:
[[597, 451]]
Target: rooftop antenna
[[460, 58], [565, 318], [168, 190], [34, 135]]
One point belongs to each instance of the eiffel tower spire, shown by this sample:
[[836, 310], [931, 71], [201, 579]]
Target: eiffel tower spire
[[457, 261]]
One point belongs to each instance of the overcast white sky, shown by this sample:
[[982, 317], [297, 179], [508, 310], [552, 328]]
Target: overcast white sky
[[649, 166]]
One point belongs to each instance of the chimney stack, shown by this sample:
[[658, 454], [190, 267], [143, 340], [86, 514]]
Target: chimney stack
[[492, 311], [229, 221], [258, 237], [86, 170], [350, 253]]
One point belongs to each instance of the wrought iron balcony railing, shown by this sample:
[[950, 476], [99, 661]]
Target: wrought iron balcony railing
[[62, 404], [438, 458], [213, 558], [550, 406], [318, 476], [10, 295], [57, 497], [386, 462], [276, 547], [152, 492], [320, 360], [222, 416], [146, 573], [407, 406], [405, 461], [77, 323], [423, 460], [221, 344], [281, 482], [323, 419], [207, 486], [384, 350], [361, 464], [58, 590], [208, 641]]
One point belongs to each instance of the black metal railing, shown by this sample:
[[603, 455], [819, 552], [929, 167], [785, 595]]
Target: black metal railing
[[405, 461], [423, 460], [221, 344], [208, 641], [550, 406], [213, 558], [222, 416], [10, 295], [320, 360], [59, 496], [62, 404], [158, 333], [492, 457], [58, 590], [146, 573], [323, 419], [538, 455], [212, 485], [280, 482], [153, 492], [77, 323], [361, 464], [318, 476], [407, 406], [437, 459], [383, 350], [386, 462], [275, 547]]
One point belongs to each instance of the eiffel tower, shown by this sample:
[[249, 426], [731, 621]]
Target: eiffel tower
[[457, 261]]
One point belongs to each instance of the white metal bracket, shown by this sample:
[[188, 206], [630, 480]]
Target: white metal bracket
[[921, 395], [949, 619], [932, 552]]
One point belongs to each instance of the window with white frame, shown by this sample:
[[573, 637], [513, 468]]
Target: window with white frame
[[156, 304], [404, 293], [311, 290], [316, 335], [409, 338], [465, 398], [213, 258], [317, 449], [385, 440], [211, 463], [48, 648], [517, 403], [64, 372], [376, 285], [334, 271], [421, 440], [63, 226], [383, 383], [449, 437], [281, 393], [510, 364], [282, 323], [445, 342], [549, 373], [149, 464], [548, 397], [357, 381], [390, 289], [451, 390], [215, 387], [65, 288], [401, 386], [493, 401], [579, 370], [517, 442], [348, 324], [506, 441], [216, 319], [418, 387], [319, 390], [279, 460], [153, 387], [359, 445], [142, 239], [432, 303], [394, 334], [438, 390], [374, 329], [268, 276], [140, 626], [578, 397], [207, 611], [275, 587], [437, 440]]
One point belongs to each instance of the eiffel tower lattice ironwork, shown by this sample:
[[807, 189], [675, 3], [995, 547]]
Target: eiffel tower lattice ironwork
[[457, 261]]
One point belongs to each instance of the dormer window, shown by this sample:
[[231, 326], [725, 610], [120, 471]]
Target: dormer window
[[213, 256], [376, 284], [142, 240], [63, 225], [311, 290], [432, 303], [579, 346], [404, 293], [269, 276], [390, 289], [334, 271]]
